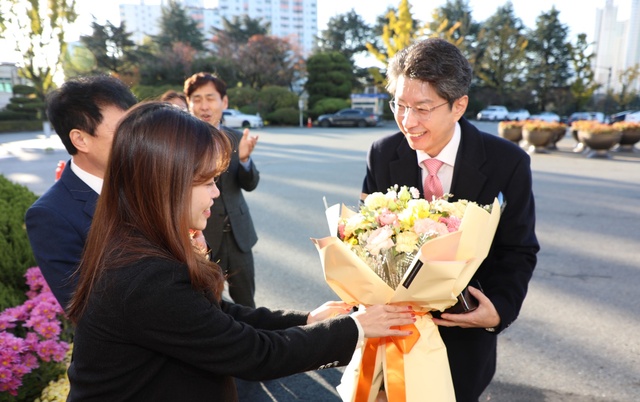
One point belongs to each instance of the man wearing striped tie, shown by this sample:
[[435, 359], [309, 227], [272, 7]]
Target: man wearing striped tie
[[439, 152]]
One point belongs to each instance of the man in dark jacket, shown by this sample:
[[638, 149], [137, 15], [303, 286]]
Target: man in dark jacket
[[230, 231], [84, 112], [429, 82]]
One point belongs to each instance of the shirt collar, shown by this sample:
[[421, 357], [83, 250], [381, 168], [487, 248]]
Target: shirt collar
[[94, 182]]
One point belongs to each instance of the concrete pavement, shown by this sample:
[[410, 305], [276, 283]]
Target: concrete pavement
[[577, 336]]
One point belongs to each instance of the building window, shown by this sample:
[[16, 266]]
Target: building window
[[5, 85]]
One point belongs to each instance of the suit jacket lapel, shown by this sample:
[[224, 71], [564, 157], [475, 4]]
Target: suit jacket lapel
[[468, 179], [405, 169], [79, 190]]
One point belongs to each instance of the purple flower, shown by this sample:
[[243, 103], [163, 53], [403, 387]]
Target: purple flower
[[39, 317]]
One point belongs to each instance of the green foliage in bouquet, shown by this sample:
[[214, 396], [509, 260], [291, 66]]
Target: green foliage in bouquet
[[15, 249]]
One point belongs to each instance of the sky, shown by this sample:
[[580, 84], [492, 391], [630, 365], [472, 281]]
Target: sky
[[580, 19]]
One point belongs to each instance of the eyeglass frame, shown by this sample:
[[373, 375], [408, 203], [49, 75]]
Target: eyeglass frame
[[417, 112]]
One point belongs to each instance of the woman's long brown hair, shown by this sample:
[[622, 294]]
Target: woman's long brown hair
[[158, 154]]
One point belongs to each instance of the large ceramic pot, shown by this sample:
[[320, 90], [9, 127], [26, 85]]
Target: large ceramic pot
[[599, 143], [558, 134], [537, 141], [513, 134], [629, 138]]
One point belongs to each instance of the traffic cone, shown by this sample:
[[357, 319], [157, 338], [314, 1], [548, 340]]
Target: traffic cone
[[59, 169], [309, 122]]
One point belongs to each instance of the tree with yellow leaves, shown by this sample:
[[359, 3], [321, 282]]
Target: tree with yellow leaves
[[399, 32]]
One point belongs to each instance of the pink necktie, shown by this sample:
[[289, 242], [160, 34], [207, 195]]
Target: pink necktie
[[432, 185]]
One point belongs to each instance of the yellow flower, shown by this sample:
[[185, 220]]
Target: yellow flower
[[406, 242], [376, 201]]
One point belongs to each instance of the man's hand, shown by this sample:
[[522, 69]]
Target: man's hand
[[485, 316], [247, 143]]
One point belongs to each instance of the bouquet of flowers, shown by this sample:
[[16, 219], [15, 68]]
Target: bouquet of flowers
[[404, 250], [390, 228]]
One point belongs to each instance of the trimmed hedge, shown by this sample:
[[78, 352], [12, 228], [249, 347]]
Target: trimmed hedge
[[15, 249], [286, 117], [14, 126]]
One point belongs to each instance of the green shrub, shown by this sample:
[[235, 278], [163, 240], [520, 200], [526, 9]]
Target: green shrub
[[328, 105], [13, 126], [242, 96], [8, 115], [287, 117], [249, 109], [20, 89], [272, 98], [15, 249]]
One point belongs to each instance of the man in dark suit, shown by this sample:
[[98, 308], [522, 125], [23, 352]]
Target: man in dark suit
[[429, 82], [230, 231], [84, 112]]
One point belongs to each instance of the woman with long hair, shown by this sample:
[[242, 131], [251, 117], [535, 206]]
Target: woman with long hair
[[150, 321]]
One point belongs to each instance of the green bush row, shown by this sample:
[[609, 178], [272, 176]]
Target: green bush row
[[15, 249], [13, 126], [17, 256]]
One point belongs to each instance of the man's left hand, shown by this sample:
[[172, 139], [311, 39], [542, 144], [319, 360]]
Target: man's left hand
[[247, 143], [485, 316]]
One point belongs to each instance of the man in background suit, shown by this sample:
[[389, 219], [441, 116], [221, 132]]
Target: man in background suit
[[230, 231], [429, 82], [84, 112]]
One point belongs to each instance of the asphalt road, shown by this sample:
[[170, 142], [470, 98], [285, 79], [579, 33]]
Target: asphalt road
[[577, 338]]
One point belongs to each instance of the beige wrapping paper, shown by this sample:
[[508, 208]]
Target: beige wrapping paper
[[450, 262]]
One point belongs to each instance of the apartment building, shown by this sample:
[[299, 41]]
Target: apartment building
[[293, 19], [617, 44]]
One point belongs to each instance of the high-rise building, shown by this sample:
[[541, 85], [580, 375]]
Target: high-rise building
[[141, 19], [295, 20], [617, 44]]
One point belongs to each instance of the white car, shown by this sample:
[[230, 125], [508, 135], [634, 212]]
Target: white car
[[234, 118], [518, 115], [493, 112], [546, 116], [634, 117]]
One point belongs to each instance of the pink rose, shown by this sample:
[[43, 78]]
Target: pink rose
[[387, 218], [430, 227], [452, 223], [379, 239]]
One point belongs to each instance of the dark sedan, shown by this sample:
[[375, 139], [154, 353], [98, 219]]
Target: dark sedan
[[349, 117]]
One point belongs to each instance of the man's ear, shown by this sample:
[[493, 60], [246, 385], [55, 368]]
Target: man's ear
[[460, 106], [79, 140], [225, 102]]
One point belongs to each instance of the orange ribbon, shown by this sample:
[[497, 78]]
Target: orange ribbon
[[395, 348]]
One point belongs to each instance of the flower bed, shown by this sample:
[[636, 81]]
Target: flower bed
[[30, 339]]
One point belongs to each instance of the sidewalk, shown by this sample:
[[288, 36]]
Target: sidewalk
[[27, 158]]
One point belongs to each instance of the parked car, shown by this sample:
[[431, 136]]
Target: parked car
[[633, 117], [493, 112], [578, 116], [349, 117], [621, 116], [235, 118], [518, 115], [545, 116]]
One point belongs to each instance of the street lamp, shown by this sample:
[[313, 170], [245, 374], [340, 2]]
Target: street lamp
[[302, 101]]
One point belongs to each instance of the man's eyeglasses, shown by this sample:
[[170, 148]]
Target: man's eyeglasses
[[421, 114]]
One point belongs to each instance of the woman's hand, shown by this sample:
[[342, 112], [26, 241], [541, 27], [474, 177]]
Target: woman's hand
[[328, 310], [377, 321]]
